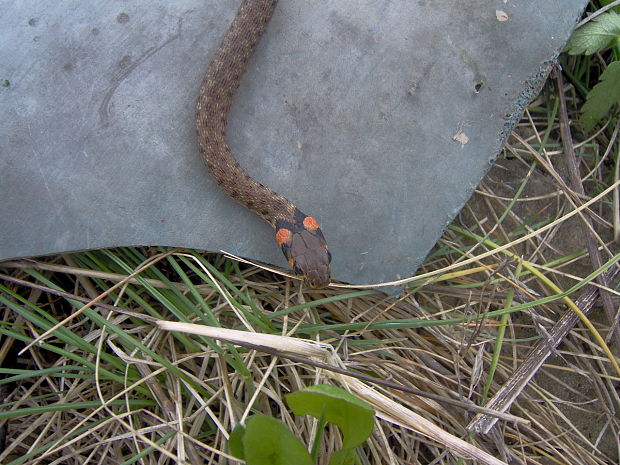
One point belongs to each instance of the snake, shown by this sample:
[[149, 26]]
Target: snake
[[298, 235]]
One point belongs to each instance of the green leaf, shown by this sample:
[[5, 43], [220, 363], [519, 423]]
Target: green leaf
[[235, 441], [268, 441], [343, 457], [353, 416], [602, 96], [596, 35]]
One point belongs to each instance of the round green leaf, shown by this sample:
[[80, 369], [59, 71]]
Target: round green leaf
[[268, 441], [235, 441], [354, 417]]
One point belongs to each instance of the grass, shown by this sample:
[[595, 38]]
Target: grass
[[106, 384]]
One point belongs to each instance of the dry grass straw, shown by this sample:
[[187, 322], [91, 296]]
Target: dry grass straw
[[107, 382]]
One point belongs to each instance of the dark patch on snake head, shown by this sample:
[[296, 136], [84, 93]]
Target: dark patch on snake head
[[305, 249]]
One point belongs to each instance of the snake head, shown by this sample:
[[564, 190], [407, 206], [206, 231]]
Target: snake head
[[305, 249]]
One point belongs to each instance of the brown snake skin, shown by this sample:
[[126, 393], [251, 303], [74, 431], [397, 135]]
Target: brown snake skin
[[298, 235]]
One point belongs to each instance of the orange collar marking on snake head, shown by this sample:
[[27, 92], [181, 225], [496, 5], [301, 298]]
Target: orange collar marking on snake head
[[310, 223], [284, 236]]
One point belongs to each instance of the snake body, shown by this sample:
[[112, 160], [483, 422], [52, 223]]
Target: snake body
[[298, 234]]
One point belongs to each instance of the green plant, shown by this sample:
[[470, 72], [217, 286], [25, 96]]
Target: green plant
[[267, 441], [599, 34]]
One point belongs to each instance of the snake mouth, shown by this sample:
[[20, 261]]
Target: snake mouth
[[317, 273], [310, 259], [317, 282]]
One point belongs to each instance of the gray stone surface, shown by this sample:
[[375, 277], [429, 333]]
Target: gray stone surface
[[349, 109]]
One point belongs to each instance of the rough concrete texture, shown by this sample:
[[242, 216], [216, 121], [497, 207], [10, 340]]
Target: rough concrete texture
[[348, 108]]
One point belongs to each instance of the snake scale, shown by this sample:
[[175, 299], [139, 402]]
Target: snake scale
[[298, 234]]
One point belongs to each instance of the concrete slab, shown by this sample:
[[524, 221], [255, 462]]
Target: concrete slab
[[350, 109]]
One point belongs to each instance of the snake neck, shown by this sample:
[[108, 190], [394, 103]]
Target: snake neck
[[215, 98], [239, 185]]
